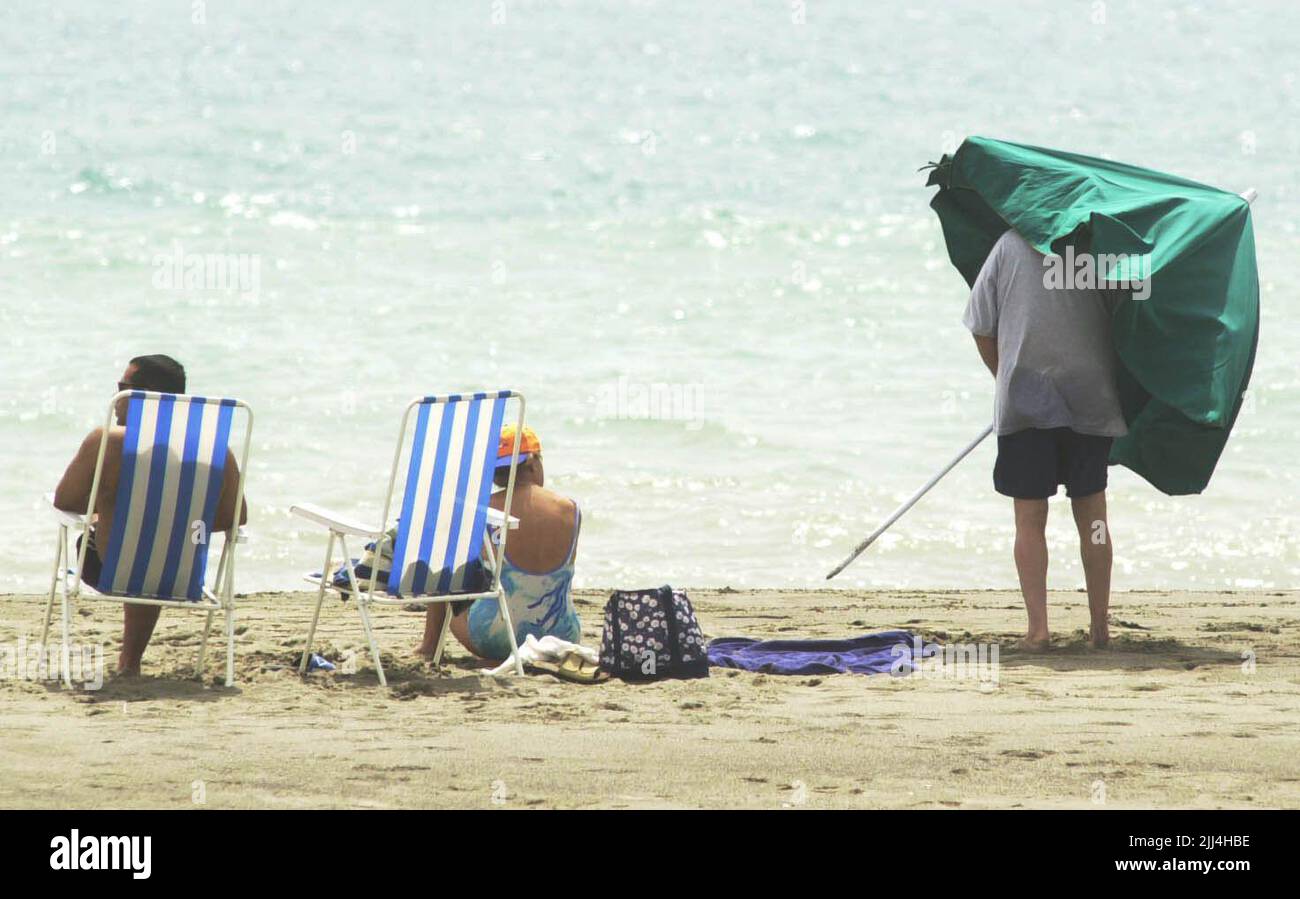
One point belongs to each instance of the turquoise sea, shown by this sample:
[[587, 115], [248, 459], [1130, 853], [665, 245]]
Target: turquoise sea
[[693, 235]]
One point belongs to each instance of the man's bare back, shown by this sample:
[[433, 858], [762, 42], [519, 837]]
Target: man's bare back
[[73, 492]]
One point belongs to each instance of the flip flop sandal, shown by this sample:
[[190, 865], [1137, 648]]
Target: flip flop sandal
[[573, 668]]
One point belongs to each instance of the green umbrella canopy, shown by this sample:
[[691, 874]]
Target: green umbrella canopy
[[1186, 351]]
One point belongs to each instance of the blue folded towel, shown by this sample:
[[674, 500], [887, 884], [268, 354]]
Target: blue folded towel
[[868, 654]]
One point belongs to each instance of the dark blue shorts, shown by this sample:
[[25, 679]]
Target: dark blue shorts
[[1033, 462], [92, 568]]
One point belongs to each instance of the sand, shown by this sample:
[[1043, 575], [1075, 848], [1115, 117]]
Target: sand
[[1171, 716]]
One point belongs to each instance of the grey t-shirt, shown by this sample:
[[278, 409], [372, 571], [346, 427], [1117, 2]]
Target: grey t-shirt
[[1056, 362]]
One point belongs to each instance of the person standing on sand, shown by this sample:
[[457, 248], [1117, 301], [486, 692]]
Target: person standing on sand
[[1056, 413], [162, 374]]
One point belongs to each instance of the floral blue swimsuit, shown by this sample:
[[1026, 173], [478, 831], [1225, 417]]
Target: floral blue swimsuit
[[540, 604]]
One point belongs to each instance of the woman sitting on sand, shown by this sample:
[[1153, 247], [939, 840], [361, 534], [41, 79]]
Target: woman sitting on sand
[[537, 571]]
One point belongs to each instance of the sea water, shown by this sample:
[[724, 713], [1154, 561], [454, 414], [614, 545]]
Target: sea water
[[693, 235]]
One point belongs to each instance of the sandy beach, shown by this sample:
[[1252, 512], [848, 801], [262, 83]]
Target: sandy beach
[[1171, 716]]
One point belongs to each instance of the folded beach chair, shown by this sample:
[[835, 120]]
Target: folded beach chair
[[439, 553], [173, 462]]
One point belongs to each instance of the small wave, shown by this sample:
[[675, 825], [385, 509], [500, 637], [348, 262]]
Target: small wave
[[106, 180], [287, 219]]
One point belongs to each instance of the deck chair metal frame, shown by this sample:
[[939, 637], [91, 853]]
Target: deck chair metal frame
[[340, 527], [217, 598]]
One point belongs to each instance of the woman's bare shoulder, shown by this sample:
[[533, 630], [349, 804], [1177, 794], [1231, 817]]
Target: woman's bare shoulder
[[560, 501]]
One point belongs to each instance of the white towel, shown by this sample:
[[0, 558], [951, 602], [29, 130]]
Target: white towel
[[547, 649]]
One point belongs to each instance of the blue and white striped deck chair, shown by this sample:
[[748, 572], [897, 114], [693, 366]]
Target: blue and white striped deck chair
[[439, 554], [174, 456]]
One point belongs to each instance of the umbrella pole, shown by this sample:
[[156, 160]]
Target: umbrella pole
[[911, 501]]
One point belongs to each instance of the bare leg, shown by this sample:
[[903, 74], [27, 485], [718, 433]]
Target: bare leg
[[433, 625], [1031, 566], [1096, 552], [137, 627], [433, 618]]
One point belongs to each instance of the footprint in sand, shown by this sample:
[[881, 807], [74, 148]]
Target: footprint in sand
[[1031, 754]]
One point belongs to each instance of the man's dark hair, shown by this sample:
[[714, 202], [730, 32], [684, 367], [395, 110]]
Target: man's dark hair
[[158, 372]]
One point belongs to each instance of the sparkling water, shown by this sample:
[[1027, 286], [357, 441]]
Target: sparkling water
[[693, 235]]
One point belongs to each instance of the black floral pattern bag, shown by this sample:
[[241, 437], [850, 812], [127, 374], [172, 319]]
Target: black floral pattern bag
[[652, 634]]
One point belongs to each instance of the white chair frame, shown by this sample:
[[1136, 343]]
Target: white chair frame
[[341, 527]]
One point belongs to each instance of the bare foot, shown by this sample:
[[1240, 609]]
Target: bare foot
[[1099, 635], [424, 652], [1035, 644], [127, 673]]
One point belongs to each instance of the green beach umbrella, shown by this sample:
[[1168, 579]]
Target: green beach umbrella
[[1185, 337], [1187, 348]]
